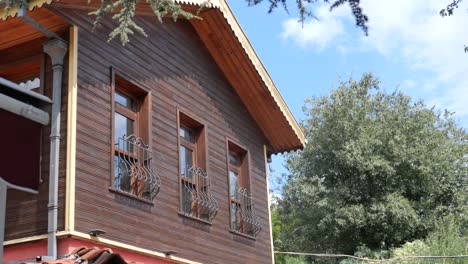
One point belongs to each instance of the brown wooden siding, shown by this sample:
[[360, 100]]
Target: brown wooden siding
[[26, 214], [180, 72]]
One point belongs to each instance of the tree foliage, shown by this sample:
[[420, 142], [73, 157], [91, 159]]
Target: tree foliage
[[378, 171], [303, 7], [448, 11], [276, 231], [126, 13], [447, 240]]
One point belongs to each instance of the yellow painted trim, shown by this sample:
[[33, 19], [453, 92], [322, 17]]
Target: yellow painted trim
[[71, 129], [104, 241], [267, 177], [31, 5], [24, 240]]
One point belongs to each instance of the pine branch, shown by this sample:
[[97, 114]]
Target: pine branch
[[106, 7], [303, 6], [126, 13], [449, 12], [361, 18], [162, 8], [450, 8], [126, 24]]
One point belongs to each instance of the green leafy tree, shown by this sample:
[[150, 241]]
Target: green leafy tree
[[378, 171], [449, 239]]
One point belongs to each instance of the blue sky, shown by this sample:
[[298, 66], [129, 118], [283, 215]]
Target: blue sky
[[410, 47]]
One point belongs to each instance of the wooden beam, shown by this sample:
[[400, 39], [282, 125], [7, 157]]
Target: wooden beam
[[71, 129]]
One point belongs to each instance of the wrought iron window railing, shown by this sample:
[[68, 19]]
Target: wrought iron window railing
[[196, 200], [243, 217], [134, 169]]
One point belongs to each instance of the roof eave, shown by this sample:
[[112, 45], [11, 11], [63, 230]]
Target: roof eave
[[262, 72]]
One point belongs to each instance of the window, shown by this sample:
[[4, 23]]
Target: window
[[242, 215], [125, 116], [195, 199], [134, 172]]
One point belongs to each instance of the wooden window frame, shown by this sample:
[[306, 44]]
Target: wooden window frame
[[132, 114], [187, 120], [243, 170], [193, 146], [141, 115]]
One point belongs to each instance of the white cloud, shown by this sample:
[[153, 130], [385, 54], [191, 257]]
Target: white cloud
[[415, 33], [317, 33], [409, 32]]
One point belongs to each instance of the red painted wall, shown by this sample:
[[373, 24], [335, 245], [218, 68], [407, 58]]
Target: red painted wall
[[28, 251]]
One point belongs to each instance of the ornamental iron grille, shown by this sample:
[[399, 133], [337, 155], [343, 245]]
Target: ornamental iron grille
[[134, 169], [196, 200], [243, 217]]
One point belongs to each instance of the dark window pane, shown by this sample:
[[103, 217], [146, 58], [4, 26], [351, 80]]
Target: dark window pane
[[186, 160], [233, 182], [186, 199], [116, 169], [123, 127], [145, 190], [234, 159], [187, 134], [234, 216], [124, 100]]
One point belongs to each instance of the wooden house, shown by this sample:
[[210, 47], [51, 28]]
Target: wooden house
[[157, 149]]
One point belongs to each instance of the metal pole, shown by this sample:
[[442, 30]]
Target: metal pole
[[3, 197], [22, 14], [56, 49]]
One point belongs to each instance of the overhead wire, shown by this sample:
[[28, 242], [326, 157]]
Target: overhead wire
[[368, 259]]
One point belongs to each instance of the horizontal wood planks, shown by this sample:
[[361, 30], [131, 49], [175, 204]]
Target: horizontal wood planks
[[180, 72]]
